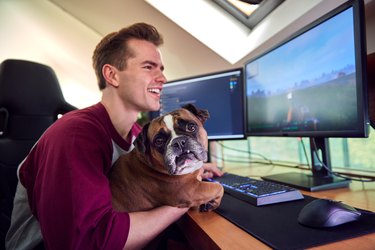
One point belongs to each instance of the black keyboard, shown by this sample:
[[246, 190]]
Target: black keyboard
[[257, 192]]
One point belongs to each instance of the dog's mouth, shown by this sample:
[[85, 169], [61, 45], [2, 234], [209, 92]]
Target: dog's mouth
[[185, 163], [185, 158]]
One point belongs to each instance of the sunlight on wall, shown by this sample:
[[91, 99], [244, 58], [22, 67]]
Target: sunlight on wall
[[39, 31], [228, 37]]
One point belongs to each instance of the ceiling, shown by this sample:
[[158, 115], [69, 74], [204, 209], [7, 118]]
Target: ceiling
[[181, 51], [183, 54]]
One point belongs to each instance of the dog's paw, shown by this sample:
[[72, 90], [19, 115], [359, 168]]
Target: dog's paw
[[211, 205], [205, 207]]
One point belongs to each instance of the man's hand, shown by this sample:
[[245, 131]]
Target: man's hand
[[210, 170]]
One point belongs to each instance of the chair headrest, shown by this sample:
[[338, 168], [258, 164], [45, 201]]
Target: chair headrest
[[29, 88]]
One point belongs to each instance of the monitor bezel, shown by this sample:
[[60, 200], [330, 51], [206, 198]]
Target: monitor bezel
[[361, 76], [213, 74]]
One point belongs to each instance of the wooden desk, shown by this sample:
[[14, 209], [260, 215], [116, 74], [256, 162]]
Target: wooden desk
[[212, 231]]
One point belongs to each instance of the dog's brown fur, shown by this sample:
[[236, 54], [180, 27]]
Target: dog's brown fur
[[140, 180]]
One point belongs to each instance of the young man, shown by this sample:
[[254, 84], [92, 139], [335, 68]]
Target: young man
[[63, 198]]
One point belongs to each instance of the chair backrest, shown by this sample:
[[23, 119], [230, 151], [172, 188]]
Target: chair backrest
[[30, 101]]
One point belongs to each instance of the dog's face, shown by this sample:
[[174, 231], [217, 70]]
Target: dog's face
[[175, 143]]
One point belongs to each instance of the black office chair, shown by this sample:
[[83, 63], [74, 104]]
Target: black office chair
[[30, 101]]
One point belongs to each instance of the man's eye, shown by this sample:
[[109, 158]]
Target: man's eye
[[191, 127]]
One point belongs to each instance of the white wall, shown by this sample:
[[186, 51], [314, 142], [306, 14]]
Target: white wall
[[37, 30]]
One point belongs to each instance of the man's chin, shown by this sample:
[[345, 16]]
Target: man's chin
[[155, 107], [152, 107]]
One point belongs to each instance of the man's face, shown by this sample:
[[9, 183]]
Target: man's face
[[142, 79]]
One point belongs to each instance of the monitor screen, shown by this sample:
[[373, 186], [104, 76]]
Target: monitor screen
[[313, 84], [221, 93]]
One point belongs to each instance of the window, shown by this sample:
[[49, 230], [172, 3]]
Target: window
[[347, 154], [249, 12]]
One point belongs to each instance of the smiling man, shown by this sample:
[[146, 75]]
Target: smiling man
[[63, 198]]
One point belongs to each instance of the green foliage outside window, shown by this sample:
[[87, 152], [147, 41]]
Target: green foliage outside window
[[346, 153]]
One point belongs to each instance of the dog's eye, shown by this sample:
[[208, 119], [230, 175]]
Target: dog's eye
[[191, 127], [159, 141]]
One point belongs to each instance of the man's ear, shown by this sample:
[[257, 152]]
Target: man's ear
[[141, 141], [201, 114], [110, 75]]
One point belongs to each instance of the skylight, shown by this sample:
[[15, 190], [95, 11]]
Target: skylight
[[246, 8], [249, 12], [233, 38]]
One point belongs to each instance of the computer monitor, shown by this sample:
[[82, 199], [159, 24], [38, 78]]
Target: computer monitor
[[221, 93], [312, 85]]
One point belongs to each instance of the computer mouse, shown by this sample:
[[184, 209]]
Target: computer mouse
[[327, 213]]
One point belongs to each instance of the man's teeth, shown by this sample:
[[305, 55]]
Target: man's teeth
[[156, 91]]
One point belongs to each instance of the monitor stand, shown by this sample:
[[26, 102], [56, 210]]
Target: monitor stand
[[321, 178]]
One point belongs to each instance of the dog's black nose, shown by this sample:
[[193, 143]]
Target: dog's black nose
[[179, 143]]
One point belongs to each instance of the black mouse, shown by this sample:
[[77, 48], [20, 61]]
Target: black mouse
[[327, 213]]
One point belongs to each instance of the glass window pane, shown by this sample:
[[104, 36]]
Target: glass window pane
[[349, 153], [360, 154]]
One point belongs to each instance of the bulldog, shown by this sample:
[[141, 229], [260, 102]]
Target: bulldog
[[165, 166]]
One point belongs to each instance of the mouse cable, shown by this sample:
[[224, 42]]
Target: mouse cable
[[245, 151], [346, 176], [270, 162], [257, 162], [239, 161]]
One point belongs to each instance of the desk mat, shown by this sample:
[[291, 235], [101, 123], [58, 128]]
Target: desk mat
[[277, 226]]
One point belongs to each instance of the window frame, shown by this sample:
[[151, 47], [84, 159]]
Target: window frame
[[265, 8]]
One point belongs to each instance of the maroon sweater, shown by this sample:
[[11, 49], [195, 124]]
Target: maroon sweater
[[65, 176]]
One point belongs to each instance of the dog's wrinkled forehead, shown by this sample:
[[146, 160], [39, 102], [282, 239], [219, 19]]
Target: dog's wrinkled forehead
[[158, 125], [174, 119], [172, 123]]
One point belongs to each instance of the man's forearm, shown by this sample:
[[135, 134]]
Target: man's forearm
[[145, 226]]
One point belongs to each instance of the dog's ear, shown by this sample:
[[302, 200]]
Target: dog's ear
[[201, 114], [141, 141]]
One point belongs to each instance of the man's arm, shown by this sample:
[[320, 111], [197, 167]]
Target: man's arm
[[145, 226]]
